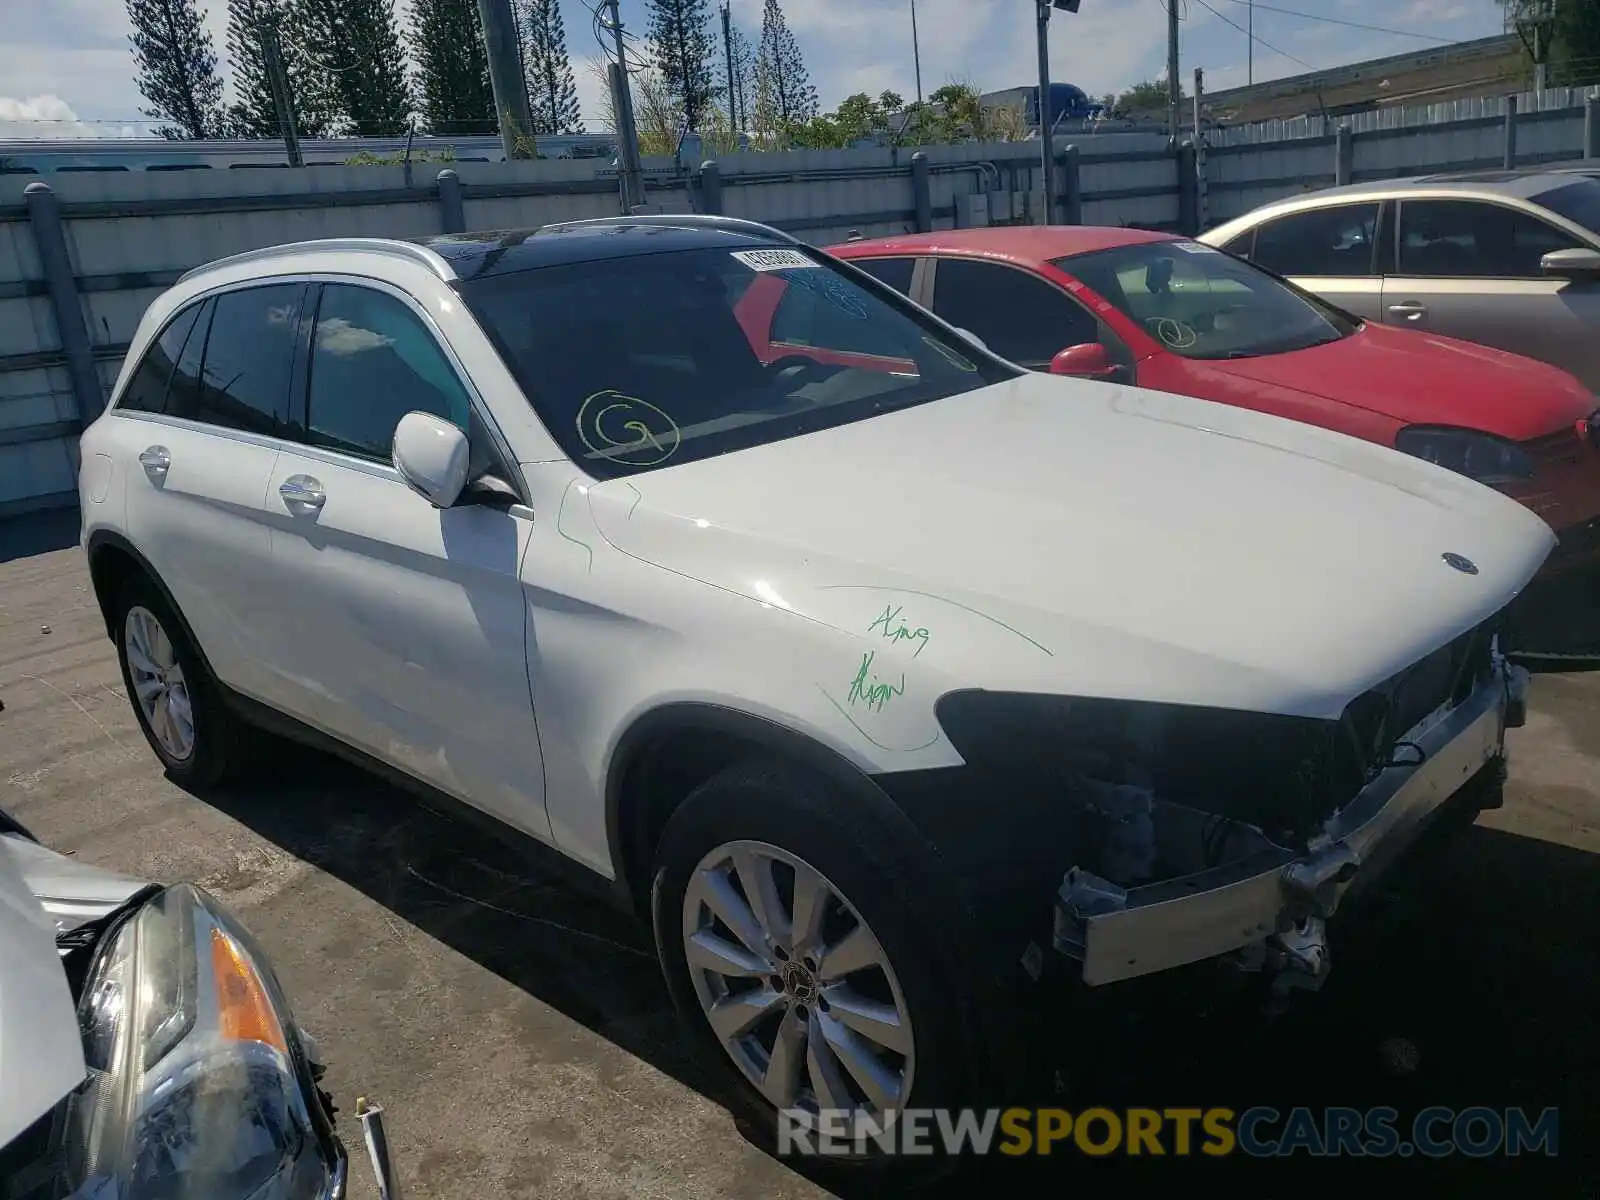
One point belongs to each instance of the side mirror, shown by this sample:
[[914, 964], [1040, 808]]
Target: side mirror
[[432, 456], [1086, 361], [1578, 263], [974, 339]]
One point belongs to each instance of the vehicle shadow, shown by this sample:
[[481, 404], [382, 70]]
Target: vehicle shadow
[[38, 533], [1557, 619], [1472, 983]]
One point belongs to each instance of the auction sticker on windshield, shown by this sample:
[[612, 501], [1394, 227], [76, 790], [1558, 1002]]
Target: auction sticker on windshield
[[1197, 248], [772, 260]]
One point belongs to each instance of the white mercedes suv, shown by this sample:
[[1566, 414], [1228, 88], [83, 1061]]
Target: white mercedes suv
[[882, 676]]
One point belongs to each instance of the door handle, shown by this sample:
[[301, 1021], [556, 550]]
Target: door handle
[[302, 491], [1409, 309], [156, 460]]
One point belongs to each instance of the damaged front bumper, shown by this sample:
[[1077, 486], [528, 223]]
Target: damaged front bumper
[[1269, 909]]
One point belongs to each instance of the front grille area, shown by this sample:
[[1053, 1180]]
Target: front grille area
[[1375, 724]]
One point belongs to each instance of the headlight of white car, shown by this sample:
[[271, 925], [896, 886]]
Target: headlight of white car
[[1470, 452], [198, 1085]]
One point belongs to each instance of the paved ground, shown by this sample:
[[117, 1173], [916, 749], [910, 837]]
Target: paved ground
[[520, 1039]]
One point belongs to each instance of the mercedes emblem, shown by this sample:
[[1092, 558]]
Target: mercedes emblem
[[1465, 565]]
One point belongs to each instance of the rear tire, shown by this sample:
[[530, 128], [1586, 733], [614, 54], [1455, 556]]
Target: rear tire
[[861, 1004], [174, 697]]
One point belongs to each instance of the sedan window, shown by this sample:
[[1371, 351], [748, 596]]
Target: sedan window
[[1018, 315], [1467, 239], [656, 359], [896, 272], [1327, 242], [1201, 303]]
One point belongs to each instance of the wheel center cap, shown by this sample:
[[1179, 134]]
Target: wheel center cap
[[799, 983]]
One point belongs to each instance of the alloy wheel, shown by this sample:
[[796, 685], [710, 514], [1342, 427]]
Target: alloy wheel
[[159, 686], [795, 985]]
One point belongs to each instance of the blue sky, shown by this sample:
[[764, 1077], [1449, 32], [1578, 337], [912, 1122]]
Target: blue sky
[[65, 68]]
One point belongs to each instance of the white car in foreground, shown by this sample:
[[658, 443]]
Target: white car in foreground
[[874, 669]]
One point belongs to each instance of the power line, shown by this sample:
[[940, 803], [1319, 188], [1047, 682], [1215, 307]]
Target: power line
[[1305, 16], [1260, 41]]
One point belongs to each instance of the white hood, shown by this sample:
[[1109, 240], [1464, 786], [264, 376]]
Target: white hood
[[41, 1051], [1154, 546]]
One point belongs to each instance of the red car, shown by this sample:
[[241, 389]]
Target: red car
[[1134, 306]]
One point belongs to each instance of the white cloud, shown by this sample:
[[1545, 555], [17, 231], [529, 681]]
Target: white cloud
[[52, 117]]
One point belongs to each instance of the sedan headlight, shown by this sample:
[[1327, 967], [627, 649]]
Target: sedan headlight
[[198, 1084], [1470, 452]]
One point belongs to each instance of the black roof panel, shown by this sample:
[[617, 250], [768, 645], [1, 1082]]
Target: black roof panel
[[501, 252]]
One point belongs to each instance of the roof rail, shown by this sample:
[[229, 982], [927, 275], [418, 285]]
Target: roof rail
[[410, 251], [681, 221]]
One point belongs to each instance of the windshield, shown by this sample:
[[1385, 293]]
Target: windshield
[[1578, 202], [1201, 303], [659, 359]]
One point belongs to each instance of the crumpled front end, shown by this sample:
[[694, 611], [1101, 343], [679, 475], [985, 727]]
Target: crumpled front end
[[1176, 873]]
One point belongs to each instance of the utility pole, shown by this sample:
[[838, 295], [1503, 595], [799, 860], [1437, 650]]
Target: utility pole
[[1046, 131], [1174, 92], [1250, 34], [916, 53], [282, 96], [505, 77], [629, 166], [727, 49]]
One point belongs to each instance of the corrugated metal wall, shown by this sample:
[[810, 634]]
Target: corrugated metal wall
[[129, 235]]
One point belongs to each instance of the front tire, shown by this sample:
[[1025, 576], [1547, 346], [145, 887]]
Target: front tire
[[175, 700], [802, 960]]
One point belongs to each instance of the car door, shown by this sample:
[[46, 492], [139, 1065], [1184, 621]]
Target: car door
[[1331, 251], [1470, 269], [201, 446], [402, 625], [1021, 317]]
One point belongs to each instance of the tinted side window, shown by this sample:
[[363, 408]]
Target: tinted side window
[[820, 311], [184, 392], [147, 390], [248, 360], [1019, 316], [896, 272], [1244, 245], [372, 362], [1325, 241], [1468, 239]]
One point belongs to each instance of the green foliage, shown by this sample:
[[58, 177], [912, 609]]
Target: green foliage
[[1571, 31], [552, 92], [254, 112], [176, 67], [1144, 97], [680, 31], [366, 158], [785, 99], [453, 91], [358, 42]]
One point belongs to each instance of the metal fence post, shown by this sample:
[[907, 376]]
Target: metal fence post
[[1591, 127], [711, 187], [44, 216], [452, 212], [1072, 187], [1511, 132], [1188, 191], [1344, 155], [921, 194]]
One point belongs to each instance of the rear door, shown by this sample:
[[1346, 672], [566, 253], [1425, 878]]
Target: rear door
[[402, 631], [1470, 269], [201, 449], [1330, 251]]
